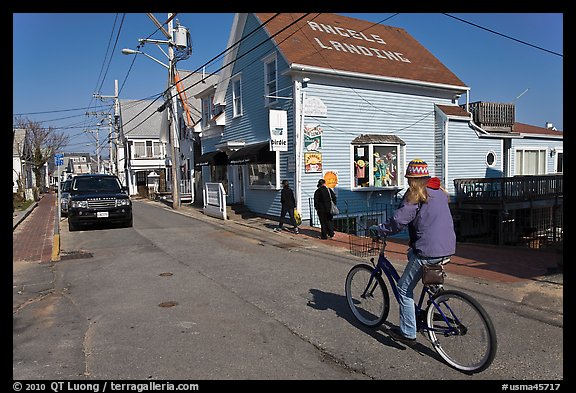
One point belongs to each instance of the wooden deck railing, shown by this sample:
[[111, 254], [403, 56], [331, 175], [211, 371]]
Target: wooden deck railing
[[508, 189]]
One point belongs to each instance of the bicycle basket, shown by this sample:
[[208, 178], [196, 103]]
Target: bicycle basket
[[364, 246]]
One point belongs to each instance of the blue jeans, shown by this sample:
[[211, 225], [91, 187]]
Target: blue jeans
[[406, 284]]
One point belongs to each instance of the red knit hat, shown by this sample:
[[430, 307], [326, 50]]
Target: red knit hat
[[417, 168]]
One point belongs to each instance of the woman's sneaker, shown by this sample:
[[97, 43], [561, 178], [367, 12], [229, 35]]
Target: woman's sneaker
[[397, 335]]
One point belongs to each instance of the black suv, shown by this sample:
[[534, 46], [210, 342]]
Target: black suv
[[98, 198]]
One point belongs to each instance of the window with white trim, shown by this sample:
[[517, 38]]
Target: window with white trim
[[147, 149], [207, 110], [262, 175], [491, 159], [530, 161], [237, 96], [559, 163], [375, 162], [270, 80]]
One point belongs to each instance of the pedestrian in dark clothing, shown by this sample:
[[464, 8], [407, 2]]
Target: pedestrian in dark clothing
[[323, 198], [288, 205]]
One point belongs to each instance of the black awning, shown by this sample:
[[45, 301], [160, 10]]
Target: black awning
[[212, 158], [257, 153]]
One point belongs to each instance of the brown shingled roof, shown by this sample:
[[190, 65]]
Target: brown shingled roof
[[377, 138], [342, 43], [528, 129], [454, 110]]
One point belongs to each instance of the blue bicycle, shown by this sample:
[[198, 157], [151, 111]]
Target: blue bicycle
[[458, 327]]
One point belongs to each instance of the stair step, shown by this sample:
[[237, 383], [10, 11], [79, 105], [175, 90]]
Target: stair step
[[238, 211]]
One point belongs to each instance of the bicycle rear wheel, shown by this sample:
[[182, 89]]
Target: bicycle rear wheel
[[369, 305], [461, 331]]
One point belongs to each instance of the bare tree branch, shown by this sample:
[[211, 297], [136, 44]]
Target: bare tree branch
[[42, 143]]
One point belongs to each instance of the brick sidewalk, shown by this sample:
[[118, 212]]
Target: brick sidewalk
[[32, 240], [504, 264]]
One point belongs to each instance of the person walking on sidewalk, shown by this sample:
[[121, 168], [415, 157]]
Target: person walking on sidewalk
[[288, 205], [323, 198], [425, 211]]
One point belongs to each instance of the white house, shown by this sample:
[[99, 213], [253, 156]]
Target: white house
[[21, 167], [141, 152]]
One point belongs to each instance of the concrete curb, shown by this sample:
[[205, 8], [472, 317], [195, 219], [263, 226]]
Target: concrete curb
[[56, 237], [21, 215]]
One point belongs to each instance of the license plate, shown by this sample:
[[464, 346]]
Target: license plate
[[101, 214]]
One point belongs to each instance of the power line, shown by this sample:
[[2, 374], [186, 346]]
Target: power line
[[504, 35], [207, 63]]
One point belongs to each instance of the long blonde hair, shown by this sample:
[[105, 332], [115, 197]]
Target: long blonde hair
[[416, 192]]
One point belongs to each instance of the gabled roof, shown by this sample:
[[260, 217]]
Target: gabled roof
[[194, 83], [140, 118], [337, 43]]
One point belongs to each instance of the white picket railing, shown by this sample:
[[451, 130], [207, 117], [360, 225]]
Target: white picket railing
[[215, 200]]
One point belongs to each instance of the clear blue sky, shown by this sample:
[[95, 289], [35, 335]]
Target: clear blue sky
[[61, 59]]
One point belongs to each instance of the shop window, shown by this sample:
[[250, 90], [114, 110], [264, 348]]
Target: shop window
[[262, 175], [376, 166]]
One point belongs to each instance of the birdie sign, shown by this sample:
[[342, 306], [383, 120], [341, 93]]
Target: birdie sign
[[278, 130]]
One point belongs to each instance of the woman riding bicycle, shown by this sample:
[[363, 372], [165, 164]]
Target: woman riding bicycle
[[425, 210]]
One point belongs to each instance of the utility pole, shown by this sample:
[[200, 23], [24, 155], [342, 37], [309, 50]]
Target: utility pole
[[179, 38], [113, 139], [116, 127], [174, 118], [97, 130]]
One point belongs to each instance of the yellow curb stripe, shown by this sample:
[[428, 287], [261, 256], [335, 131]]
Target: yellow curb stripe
[[56, 248]]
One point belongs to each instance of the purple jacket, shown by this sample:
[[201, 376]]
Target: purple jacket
[[431, 228]]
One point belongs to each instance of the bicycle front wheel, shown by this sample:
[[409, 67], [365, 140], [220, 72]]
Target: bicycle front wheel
[[368, 299], [461, 331]]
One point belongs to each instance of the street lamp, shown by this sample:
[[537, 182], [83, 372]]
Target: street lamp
[[127, 51], [173, 94]]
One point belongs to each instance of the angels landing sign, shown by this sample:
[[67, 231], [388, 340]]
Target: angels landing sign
[[368, 44]]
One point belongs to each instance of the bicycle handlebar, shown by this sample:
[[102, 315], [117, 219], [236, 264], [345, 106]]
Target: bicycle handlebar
[[374, 233]]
